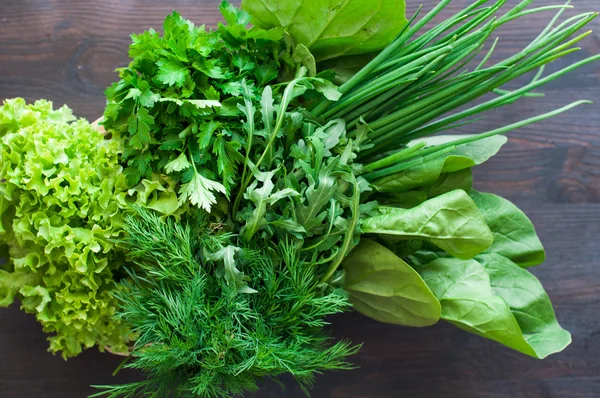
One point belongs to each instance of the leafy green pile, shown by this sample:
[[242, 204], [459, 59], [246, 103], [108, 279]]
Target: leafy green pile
[[268, 198], [201, 333], [291, 220], [62, 194], [314, 169], [176, 105]]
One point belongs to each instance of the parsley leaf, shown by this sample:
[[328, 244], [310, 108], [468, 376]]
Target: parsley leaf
[[139, 127], [171, 72], [199, 191]]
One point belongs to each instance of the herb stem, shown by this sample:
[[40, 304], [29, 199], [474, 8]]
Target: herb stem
[[349, 234]]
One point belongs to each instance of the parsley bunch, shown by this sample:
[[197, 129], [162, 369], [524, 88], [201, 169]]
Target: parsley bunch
[[176, 105]]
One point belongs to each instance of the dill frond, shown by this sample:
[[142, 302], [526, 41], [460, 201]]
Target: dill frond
[[198, 336]]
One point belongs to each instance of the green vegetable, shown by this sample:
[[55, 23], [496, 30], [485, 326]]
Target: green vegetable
[[447, 182], [290, 219], [62, 194], [514, 234], [176, 105], [462, 157], [203, 334], [334, 28], [385, 288], [451, 221], [493, 297], [262, 175], [412, 88], [528, 302]]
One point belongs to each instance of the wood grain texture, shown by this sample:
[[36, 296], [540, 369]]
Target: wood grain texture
[[67, 50]]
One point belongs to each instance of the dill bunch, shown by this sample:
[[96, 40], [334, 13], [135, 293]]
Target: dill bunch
[[198, 336]]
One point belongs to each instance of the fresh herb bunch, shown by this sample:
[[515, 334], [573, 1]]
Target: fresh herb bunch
[[62, 194], [299, 181], [316, 169], [424, 207], [288, 229], [201, 334], [270, 199], [176, 105], [414, 87]]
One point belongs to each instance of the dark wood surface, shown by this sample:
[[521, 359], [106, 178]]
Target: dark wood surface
[[66, 51]]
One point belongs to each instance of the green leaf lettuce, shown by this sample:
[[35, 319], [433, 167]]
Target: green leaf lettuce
[[60, 205]]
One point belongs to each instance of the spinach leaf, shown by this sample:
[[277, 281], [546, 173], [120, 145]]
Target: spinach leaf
[[447, 182], [463, 157], [451, 221], [528, 302], [462, 179], [332, 28], [383, 287], [498, 300], [514, 234], [405, 200]]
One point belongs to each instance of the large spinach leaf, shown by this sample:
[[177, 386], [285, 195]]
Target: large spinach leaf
[[514, 234], [463, 157], [332, 28], [450, 221], [498, 300], [383, 287], [528, 302]]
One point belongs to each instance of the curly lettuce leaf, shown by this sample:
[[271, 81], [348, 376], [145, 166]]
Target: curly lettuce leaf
[[62, 197]]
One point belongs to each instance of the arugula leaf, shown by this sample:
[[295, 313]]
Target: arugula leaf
[[261, 198], [318, 193], [451, 221], [383, 287], [230, 271], [334, 28]]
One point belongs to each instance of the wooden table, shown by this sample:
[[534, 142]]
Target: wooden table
[[67, 50]]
